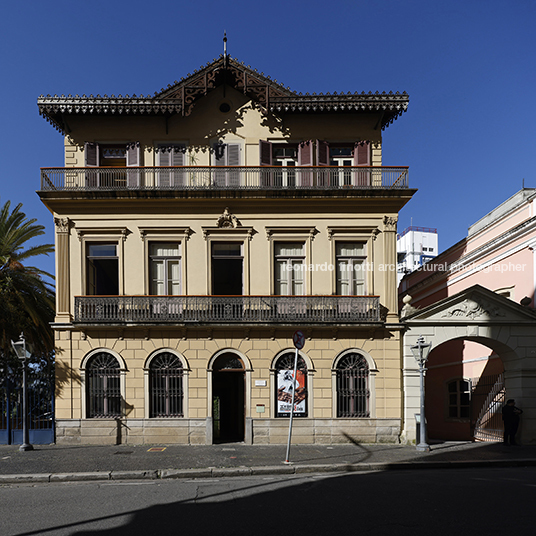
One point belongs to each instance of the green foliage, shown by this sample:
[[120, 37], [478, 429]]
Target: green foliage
[[26, 298]]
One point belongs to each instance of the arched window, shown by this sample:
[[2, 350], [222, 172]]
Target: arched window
[[103, 386], [353, 391], [166, 393], [285, 383]]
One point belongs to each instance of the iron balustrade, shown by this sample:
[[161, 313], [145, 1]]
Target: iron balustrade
[[221, 177], [226, 309]]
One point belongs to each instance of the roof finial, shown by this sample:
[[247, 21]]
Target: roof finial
[[224, 44]]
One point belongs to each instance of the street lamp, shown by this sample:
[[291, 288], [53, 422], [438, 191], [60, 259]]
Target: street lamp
[[20, 350], [420, 353]]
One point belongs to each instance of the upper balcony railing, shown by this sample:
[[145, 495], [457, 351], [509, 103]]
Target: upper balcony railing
[[226, 178], [226, 309]]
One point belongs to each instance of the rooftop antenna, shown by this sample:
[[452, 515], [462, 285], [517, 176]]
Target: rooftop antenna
[[224, 60]]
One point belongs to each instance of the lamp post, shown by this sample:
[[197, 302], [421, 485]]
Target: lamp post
[[420, 353], [20, 350]]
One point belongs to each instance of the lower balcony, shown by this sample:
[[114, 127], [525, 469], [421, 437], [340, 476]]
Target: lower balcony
[[227, 309]]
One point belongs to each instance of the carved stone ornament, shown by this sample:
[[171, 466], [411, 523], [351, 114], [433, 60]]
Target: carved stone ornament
[[408, 309], [472, 309], [62, 224], [389, 223], [228, 220]]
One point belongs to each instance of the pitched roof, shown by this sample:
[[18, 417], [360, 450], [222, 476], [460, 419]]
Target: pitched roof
[[181, 97]]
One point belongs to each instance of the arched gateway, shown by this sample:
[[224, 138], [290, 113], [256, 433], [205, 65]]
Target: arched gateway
[[480, 315]]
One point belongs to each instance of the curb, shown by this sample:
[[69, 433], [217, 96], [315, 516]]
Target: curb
[[226, 472]]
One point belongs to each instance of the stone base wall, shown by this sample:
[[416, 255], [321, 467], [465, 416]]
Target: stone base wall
[[199, 431], [326, 431], [131, 431]]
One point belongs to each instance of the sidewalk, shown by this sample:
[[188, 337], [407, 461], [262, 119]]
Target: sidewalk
[[48, 463]]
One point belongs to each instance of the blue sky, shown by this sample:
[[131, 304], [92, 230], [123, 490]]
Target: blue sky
[[468, 66]]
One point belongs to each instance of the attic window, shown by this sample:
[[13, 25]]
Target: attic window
[[225, 107]]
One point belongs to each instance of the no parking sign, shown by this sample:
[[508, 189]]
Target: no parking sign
[[299, 339]]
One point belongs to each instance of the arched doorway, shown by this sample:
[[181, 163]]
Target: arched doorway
[[480, 316], [464, 392], [228, 398]]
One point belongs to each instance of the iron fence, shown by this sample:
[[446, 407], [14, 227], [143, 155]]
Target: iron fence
[[220, 177], [487, 401], [223, 309], [40, 408]]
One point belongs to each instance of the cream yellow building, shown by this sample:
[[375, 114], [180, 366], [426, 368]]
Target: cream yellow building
[[196, 231]]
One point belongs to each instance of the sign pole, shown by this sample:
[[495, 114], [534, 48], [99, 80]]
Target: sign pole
[[292, 406], [299, 341]]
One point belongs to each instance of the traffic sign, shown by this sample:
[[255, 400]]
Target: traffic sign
[[299, 339]]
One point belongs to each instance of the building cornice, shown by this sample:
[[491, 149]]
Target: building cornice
[[181, 97]]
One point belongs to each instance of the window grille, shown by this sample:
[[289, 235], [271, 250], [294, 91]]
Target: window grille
[[165, 386], [103, 386], [353, 387]]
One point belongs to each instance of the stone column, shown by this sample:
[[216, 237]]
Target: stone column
[[389, 256], [63, 302]]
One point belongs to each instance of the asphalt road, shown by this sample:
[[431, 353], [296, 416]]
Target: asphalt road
[[431, 502]]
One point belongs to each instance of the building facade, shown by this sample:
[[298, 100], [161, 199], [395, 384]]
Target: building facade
[[196, 231], [475, 301], [415, 246]]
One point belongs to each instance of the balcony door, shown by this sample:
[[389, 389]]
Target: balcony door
[[111, 161], [227, 268], [102, 270], [351, 268], [289, 268], [290, 277]]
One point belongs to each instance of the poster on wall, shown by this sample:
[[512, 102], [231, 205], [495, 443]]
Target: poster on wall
[[285, 384]]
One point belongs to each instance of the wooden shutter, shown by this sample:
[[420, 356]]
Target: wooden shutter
[[91, 154], [265, 153], [133, 154], [233, 159], [91, 157], [362, 154], [362, 158], [177, 155], [133, 160], [164, 155], [305, 153], [229, 155], [219, 154], [232, 151], [305, 158], [177, 159], [164, 160], [322, 152]]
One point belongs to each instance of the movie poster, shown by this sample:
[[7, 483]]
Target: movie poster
[[285, 385]]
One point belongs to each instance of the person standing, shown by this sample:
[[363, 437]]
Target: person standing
[[510, 416]]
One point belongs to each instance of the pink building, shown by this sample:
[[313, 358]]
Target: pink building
[[483, 347]]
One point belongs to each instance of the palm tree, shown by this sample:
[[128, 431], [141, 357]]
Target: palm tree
[[26, 298]]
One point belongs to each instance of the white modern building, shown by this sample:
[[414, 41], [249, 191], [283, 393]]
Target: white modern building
[[415, 246]]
